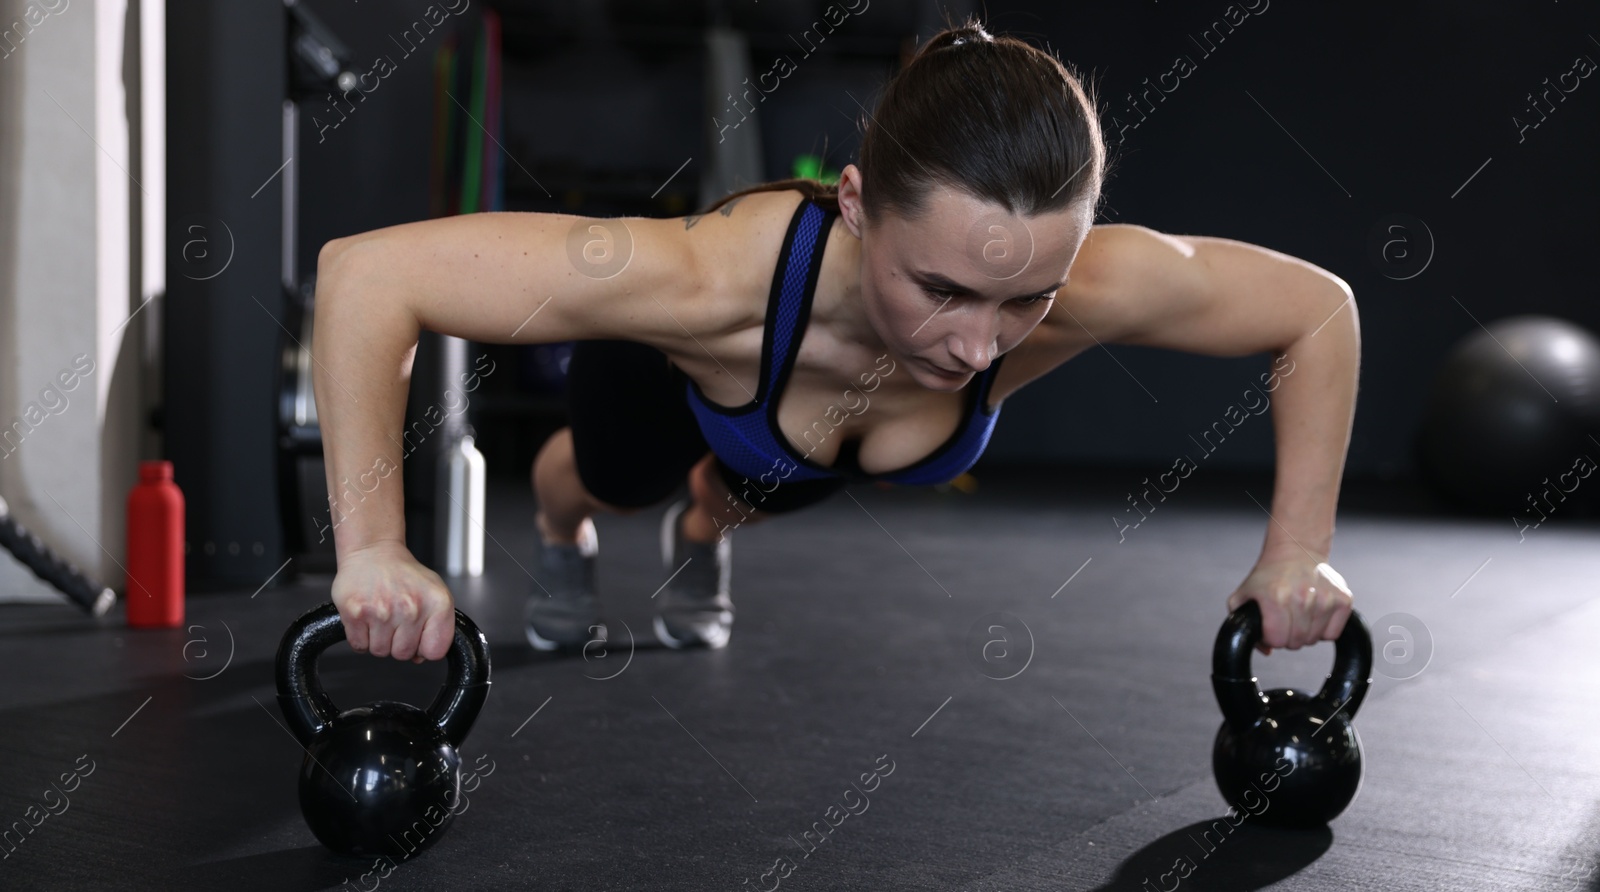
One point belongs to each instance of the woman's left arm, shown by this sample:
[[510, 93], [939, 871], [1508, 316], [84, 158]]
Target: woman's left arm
[[1222, 297]]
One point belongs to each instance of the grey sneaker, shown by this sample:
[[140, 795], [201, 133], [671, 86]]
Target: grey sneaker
[[695, 609], [565, 612]]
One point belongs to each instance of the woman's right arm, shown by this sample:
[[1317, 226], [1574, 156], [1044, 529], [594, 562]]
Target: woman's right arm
[[494, 278]]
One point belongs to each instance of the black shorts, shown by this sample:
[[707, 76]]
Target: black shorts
[[635, 438]]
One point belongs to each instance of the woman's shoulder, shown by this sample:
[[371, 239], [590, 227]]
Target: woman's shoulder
[[747, 221], [737, 245], [734, 251]]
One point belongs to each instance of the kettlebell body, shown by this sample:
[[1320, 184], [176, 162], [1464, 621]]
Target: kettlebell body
[[1285, 758], [382, 772], [384, 778]]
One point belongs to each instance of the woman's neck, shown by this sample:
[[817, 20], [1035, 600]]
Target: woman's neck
[[838, 302]]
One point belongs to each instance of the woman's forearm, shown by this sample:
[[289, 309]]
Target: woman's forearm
[[1312, 414], [364, 341]]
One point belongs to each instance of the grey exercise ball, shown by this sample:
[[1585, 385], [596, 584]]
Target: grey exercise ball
[[1513, 408]]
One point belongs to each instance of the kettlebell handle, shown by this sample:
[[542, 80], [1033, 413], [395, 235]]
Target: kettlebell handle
[[1235, 685], [309, 709]]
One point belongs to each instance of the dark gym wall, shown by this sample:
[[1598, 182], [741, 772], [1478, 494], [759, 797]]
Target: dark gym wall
[[368, 167], [224, 88], [1303, 130]]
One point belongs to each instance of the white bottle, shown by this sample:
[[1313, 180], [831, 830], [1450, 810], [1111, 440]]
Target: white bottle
[[458, 510]]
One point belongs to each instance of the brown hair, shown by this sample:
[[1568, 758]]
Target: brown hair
[[995, 117]]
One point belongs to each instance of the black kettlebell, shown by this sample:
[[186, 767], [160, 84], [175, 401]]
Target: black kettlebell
[[1283, 758], [385, 778]]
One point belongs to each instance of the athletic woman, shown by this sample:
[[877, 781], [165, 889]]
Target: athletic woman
[[795, 338]]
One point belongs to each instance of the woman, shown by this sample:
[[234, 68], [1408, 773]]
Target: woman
[[812, 336]]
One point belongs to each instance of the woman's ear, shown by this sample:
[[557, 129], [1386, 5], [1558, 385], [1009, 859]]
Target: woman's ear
[[850, 207]]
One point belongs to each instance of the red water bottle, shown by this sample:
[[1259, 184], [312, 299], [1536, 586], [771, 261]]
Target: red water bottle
[[155, 549]]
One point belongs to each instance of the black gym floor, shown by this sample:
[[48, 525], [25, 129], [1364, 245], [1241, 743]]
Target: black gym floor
[[854, 652]]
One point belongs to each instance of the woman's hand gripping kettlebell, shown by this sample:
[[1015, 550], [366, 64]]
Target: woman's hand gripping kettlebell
[[391, 605]]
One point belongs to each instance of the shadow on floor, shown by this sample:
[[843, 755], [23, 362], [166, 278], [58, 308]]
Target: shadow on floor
[[1243, 860], [308, 867]]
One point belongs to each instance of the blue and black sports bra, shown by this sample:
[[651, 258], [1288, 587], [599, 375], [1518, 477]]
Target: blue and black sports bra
[[747, 438]]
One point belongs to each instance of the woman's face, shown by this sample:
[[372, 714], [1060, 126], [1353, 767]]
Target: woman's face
[[966, 282]]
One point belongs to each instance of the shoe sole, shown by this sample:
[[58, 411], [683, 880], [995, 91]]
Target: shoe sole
[[666, 638], [669, 527], [540, 643]]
